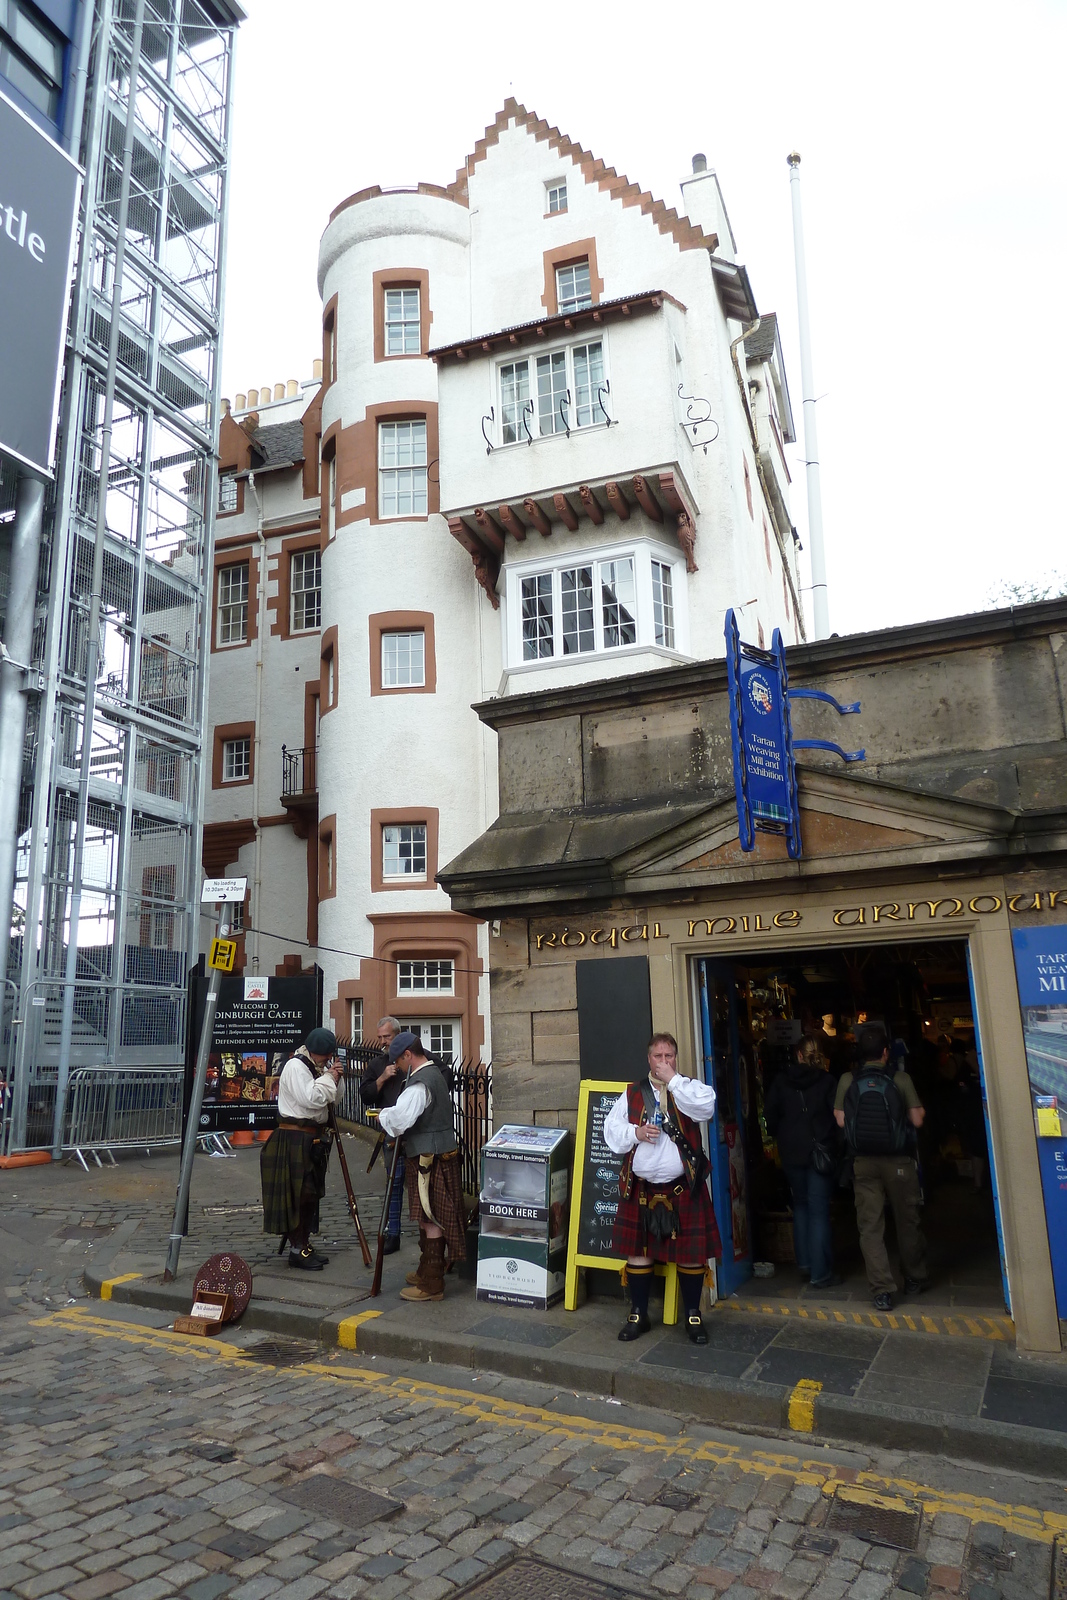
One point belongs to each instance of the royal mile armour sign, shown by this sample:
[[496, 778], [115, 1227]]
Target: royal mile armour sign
[[39, 189]]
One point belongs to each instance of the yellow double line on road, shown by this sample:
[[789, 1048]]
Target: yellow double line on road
[[1025, 1521]]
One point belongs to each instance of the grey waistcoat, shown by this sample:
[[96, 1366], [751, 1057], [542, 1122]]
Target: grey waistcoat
[[435, 1131]]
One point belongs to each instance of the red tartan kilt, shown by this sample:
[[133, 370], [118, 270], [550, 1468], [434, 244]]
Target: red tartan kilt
[[698, 1234]]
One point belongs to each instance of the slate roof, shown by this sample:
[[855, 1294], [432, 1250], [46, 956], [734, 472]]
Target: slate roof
[[759, 346], [281, 444]]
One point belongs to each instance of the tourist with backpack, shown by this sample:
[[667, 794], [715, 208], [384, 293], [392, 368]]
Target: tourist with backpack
[[799, 1112], [878, 1109]]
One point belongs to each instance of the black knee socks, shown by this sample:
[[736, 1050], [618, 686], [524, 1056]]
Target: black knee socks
[[639, 1281], [690, 1283]]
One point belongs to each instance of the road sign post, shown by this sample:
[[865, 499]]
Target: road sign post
[[223, 892]]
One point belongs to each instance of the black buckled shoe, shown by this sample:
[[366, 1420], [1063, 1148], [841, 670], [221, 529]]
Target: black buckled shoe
[[319, 1256], [390, 1244], [635, 1325], [306, 1260], [695, 1328]]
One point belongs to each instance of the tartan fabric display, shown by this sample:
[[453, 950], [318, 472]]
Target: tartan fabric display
[[290, 1166], [697, 1238], [446, 1199]]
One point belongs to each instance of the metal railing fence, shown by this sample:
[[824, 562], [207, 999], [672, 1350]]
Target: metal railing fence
[[472, 1102], [122, 1108]]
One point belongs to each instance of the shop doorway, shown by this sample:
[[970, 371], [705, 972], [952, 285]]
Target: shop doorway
[[749, 1015]]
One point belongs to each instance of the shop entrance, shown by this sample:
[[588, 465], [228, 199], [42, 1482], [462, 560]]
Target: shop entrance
[[749, 1016]]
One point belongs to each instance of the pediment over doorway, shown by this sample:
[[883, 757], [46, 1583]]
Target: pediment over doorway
[[845, 823]]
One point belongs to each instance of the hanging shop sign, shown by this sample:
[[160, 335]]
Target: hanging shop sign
[[38, 208], [258, 1024], [761, 737]]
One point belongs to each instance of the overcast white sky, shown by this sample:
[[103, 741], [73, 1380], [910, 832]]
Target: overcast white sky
[[933, 155]]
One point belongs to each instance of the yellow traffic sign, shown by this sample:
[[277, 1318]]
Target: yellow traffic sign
[[223, 954]]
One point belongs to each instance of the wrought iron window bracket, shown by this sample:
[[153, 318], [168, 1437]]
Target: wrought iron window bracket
[[565, 400], [489, 417], [695, 423], [605, 388]]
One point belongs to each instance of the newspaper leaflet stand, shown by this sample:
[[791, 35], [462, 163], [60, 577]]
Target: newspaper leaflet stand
[[522, 1242]]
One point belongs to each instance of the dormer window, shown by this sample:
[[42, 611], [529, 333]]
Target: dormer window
[[555, 197], [573, 291]]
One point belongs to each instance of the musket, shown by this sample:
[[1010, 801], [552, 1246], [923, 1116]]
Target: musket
[[353, 1208], [379, 1260]]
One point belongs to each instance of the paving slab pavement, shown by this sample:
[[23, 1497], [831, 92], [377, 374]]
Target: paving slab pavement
[[105, 1233]]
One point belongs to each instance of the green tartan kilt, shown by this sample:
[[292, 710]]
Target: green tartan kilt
[[292, 1169]]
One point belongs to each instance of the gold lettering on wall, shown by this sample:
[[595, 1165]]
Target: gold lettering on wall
[[845, 917]]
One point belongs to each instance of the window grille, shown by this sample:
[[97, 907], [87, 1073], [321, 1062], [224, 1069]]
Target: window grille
[[404, 850], [305, 590], [233, 604], [403, 660], [424, 977], [403, 333], [573, 291], [402, 485], [663, 604], [236, 760]]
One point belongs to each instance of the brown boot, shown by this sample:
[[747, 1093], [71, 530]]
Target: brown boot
[[417, 1276], [431, 1285]]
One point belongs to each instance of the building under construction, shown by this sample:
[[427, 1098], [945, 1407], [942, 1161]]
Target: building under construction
[[104, 846]]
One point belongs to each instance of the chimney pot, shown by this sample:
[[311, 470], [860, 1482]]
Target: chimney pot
[[279, 391], [253, 397], [240, 401], [316, 369], [700, 162], [292, 389], [225, 406]]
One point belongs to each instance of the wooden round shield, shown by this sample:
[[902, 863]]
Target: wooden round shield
[[227, 1274]]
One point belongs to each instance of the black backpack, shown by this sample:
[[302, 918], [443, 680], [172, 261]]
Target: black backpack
[[876, 1122]]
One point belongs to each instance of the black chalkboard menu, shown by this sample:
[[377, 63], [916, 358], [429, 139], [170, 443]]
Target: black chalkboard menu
[[595, 1190]]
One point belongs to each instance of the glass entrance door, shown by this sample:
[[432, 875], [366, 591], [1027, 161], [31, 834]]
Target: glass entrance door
[[721, 1063]]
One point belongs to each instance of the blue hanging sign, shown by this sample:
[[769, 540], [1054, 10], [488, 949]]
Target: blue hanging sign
[[761, 735]]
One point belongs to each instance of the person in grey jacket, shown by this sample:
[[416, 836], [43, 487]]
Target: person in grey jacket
[[422, 1117]]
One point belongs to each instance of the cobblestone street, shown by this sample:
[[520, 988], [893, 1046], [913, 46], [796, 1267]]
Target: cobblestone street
[[138, 1462]]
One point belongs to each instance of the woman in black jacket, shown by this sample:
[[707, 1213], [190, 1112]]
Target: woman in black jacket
[[799, 1111]]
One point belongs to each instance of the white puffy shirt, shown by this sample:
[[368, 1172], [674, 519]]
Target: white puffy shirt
[[658, 1160], [301, 1097], [411, 1103]]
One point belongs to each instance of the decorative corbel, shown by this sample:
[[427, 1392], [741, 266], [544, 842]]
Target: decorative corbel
[[687, 538]]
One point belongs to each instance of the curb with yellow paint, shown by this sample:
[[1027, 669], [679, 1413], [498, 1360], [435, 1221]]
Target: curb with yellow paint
[[111, 1283], [346, 1328], [960, 1325], [491, 1409], [802, 1405]]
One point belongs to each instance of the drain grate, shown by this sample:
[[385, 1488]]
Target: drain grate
[[281, 1352], [209, 1451], [339, 1501], [676, 1499], [527, 1579], [895, 1523], [1058, 1583], [818, 1543]]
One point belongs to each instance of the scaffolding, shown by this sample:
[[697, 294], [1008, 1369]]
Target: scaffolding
[[107, 876]]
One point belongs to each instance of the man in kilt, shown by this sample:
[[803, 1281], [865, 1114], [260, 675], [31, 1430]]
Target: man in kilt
[[665, 1211], [422, 1117], [292, 1163]]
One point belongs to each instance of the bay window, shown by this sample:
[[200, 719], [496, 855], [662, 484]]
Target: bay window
[[602, 601]]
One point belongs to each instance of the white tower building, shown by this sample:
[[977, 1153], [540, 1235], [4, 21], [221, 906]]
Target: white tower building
[[551, 428]]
